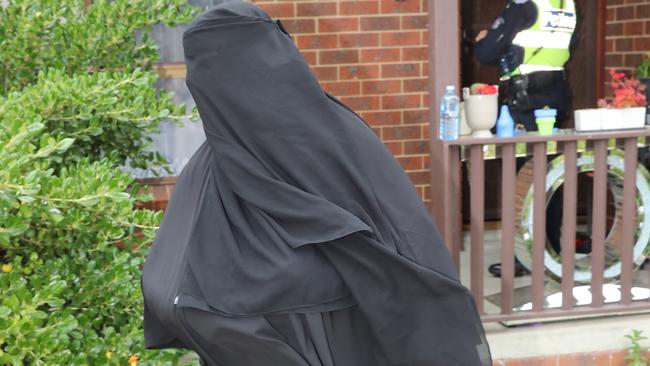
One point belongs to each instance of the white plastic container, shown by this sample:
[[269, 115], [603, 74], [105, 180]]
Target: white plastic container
[[588, 120], [609, 119], [634, 117]]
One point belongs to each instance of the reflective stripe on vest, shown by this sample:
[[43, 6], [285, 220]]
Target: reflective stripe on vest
[[546, 43]]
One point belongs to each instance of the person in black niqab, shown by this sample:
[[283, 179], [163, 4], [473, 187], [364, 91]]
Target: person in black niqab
[[293, 237]]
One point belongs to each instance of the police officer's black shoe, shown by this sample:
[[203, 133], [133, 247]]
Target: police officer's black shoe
[[520, 270], [645, 263]]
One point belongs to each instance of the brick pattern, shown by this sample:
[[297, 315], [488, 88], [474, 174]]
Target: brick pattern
[[372, 54], [627, 34], [611, 358]]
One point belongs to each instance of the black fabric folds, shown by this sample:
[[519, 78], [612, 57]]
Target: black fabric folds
[[294, 206]]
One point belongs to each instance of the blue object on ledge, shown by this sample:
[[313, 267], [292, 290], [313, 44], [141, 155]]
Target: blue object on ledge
[[505, 123]]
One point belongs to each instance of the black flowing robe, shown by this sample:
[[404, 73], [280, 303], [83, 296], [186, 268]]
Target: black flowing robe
[[293, 205]]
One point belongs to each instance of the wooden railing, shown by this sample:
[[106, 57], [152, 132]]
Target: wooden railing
[[600, 147]]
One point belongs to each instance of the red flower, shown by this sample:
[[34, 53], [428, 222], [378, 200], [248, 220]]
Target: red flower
[[487, 89], [616, 75], [628, 92]]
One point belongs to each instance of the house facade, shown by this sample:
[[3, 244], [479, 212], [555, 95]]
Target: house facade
[[390, 59]]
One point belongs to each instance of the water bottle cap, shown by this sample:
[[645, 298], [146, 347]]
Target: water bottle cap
[[450, 88]]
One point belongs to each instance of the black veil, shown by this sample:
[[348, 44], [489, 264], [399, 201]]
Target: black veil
[[293, 205]]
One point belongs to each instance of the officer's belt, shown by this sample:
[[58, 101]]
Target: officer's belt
[[544, 80]]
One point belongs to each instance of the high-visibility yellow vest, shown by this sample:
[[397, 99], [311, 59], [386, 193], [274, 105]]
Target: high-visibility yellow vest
[[546, 43]]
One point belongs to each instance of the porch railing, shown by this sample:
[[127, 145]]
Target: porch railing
[[600, 145]]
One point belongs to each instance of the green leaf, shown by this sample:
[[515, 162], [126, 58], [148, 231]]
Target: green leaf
[[4, 311], [35, 127], [88, 201], [12, 301], [55, 214], [119, 195], [55, 303], [39, 315], [26, 199], [95, 131], [141, 81]]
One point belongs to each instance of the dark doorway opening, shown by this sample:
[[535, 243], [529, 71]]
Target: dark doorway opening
[[585, 72]]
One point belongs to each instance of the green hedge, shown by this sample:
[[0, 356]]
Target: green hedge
[[44, 34], [77, 100], [110, 114]]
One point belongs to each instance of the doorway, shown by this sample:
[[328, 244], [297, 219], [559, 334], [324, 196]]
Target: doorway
[[584, 71]]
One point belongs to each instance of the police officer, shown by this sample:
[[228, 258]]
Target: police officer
[[530, 42]]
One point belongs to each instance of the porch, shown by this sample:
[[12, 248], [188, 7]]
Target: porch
[[577, 305], [568, 341], [606, 283]]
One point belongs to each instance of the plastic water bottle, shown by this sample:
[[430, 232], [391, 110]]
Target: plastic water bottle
[[449, 114]]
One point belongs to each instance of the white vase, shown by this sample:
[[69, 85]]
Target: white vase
[[482, 112]]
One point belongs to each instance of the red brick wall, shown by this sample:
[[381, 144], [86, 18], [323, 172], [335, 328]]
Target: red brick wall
[[612, 358], [372, 55], [627, 37]]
